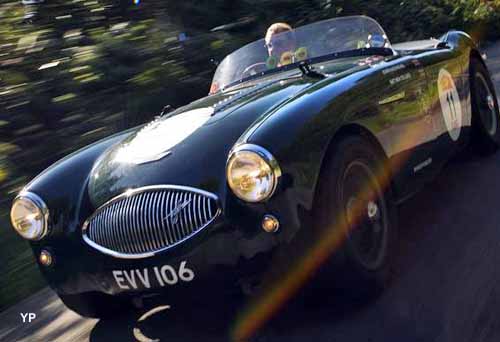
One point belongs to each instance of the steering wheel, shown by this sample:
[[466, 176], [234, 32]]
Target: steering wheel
[[254, 69]]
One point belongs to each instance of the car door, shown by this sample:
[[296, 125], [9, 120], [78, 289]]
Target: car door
[[402, 103]]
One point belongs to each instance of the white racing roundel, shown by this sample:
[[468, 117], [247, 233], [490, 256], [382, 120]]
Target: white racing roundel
[[450, 104]]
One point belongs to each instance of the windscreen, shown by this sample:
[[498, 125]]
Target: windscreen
[[302, 43]]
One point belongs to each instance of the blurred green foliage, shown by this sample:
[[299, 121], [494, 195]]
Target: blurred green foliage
[[72, 72]]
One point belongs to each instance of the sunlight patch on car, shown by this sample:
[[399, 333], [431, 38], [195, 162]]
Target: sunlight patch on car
[[153, 311], [138, 334], [155, 140]]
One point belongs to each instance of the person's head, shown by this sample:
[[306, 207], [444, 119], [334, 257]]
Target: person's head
[[277, 42]]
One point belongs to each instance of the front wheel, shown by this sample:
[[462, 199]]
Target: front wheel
[[354, 205], [485, 114], [95, 304]]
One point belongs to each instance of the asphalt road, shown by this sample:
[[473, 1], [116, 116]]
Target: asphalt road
[[446, 286]]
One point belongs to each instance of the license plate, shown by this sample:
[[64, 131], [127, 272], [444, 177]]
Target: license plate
[[166, 275]]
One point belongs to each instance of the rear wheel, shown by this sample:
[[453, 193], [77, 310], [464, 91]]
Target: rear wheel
[[354, 203], [485, 114], [96, 305]]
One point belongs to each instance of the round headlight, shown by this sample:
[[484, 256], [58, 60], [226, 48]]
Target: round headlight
[[29, 216], [252, 173]]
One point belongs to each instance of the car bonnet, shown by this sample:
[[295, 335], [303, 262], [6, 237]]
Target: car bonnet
[[190, 145]]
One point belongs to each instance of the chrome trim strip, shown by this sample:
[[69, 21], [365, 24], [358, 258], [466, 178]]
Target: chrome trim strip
[[141, 194], [393, 98]]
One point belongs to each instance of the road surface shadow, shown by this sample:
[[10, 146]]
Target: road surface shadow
[[218, 322]]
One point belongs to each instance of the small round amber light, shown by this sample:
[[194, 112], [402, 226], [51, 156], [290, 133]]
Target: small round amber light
[[45, 258], [270, 224]]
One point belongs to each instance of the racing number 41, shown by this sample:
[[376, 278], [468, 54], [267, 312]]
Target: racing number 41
[[451, 104], [164, 275]]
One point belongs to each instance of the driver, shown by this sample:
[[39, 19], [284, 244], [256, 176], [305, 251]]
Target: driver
[[280, 47]]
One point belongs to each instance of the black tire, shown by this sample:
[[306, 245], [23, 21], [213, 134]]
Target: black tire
[[344, 210], [485, 114], [95, 304]]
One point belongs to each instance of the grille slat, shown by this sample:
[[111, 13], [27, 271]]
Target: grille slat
[[183, 214], [204, 209], [122, 231], [166, 210], [149, 224], [99, 231], [153, 227], [138, 223], [147, 220], [156, 224], [175, 222], [135, 224], [191, 223], [117, 229], [143, 219], [124, 224], [104, 233], [161, 215], [209, 207], [112, 232], [198, 213]]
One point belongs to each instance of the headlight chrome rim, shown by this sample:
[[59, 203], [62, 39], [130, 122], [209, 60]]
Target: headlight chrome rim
[[266, 156], [44, 210]]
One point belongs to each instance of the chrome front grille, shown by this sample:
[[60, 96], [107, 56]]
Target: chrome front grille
[[144, 221]]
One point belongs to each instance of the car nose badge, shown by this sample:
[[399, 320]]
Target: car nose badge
[[173, 216]]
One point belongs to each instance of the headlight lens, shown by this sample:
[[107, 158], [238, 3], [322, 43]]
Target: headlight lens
[[29, 216], [252, 173]]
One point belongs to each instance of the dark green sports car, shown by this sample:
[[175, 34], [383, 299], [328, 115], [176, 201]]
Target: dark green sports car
[[294, 163]]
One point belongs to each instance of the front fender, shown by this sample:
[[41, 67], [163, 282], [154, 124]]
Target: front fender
[[62, 186], [299, 133]]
